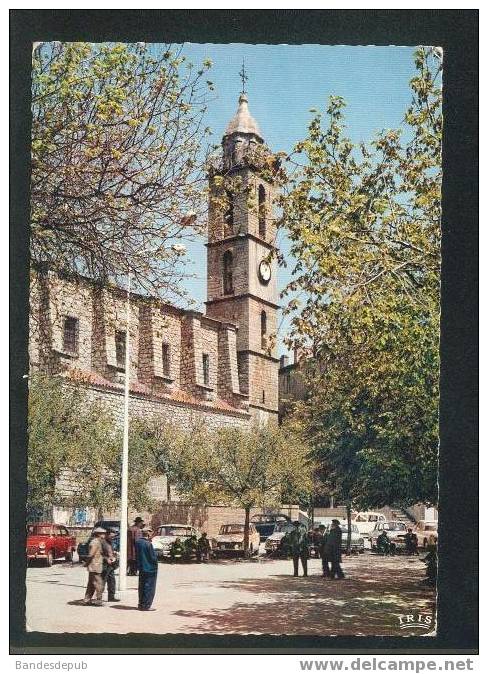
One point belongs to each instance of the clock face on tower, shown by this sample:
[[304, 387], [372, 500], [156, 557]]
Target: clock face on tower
[[264, 271]]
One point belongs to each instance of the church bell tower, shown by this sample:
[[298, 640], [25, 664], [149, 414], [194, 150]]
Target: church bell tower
[[242, 271]]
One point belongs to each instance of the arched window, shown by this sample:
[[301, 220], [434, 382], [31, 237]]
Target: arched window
[[227, 264], [262, 211], [229, 213], [263, 329]]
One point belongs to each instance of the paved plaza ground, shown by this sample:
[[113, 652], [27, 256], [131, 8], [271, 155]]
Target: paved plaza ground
[[255, 597]]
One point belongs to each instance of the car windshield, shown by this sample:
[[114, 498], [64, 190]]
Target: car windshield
[[174, 531], [38, 530], [394, 526], [372, 518], [232, 529], [354, 529], [284, 527]]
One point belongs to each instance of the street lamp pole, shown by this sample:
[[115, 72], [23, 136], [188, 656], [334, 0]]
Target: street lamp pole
[[125, 454]]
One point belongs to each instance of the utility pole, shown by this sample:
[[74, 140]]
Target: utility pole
[[125, 454]]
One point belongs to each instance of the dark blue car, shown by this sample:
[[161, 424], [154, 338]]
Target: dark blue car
[[82, 548]]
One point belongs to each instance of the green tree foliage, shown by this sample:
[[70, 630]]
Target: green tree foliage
[[247, 468], [74, 454], [365, 224], [117, 181]]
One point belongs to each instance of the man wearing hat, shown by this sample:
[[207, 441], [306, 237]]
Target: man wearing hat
[[94, 564], [147, 563], [110, 563], [299, 547], [333, 548], [133, 534]]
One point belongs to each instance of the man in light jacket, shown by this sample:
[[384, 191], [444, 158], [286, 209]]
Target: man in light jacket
[[94, 564]]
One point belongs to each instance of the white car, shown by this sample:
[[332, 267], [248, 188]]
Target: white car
[[167, 534], [230, 540], [357, 541], [366, 521], [395, 531], [273, 542]]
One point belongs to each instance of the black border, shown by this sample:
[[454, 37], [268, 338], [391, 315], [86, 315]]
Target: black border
[[457, 32]]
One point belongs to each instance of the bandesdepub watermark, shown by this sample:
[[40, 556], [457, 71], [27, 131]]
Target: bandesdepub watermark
[[57, 665]]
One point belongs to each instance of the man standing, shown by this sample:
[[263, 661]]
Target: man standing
[[94, 564], [299, 548], [133, 534], [109, 564], [203, 548], [323, 553], [147, 563], [333, 548]]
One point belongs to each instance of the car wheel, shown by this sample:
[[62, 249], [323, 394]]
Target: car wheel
[[69, 556], [50, 558]]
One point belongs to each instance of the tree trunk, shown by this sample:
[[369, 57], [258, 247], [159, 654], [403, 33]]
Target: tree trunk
[[246, 531], [168, 491], [100, 514], [348, 510]]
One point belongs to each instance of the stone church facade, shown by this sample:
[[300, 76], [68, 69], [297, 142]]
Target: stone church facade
[[220, 364]]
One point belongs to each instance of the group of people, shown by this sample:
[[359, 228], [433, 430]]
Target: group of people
[[102, 560], [191, 548], [386, 547], [327, 543]]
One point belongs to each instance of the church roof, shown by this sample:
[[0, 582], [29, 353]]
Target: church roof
[[243, 122]]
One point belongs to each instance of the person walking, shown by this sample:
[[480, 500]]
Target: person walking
[[133, 534], [323, 552], [110, 562], [147, 564], [298, 542], [94, 564], [333, 549]]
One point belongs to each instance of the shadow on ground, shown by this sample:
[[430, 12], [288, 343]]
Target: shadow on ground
[[362, 604]]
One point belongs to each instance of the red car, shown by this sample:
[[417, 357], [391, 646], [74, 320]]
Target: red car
[[48, 542]]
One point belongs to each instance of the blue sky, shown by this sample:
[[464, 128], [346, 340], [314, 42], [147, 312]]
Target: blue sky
[[284, 83]]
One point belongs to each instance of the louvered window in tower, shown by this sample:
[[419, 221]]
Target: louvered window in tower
[[227, 272], [263, 329], [262, 211]]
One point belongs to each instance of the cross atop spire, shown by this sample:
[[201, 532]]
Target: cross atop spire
[[244, 77]]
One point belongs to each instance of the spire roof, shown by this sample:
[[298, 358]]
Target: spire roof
[[243, 122]]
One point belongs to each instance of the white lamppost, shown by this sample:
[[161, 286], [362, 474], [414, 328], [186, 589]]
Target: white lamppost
[[125, 454]]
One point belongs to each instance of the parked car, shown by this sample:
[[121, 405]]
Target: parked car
[[357, 540], [273, 541], [424, 531], [265, 524], [167, 534], [47, 541], [366, 521], [230, 540], [395, 530], [82, 548]]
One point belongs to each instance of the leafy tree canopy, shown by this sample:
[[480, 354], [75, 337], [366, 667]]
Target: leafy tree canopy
[[365, 222]]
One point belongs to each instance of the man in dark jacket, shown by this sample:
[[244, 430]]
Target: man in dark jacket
[[147, 564], [133, 534], [333, 549], [298, 542], [323, 552], [109, 564]]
